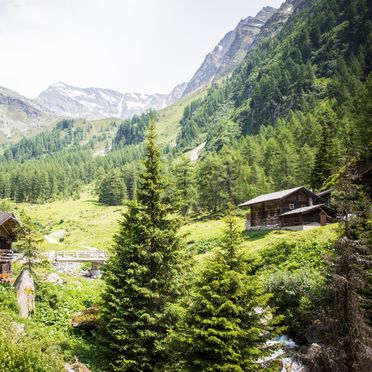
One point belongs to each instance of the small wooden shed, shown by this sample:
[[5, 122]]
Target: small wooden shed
[[8, 231]]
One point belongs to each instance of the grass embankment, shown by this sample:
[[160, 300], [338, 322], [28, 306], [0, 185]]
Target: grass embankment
[[87, 223]]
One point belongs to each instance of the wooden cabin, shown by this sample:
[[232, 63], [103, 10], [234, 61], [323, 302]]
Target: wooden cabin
[[296, 209], [8, 231]]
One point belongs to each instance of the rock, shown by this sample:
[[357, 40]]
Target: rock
[[313, 351], [293, 365], [25, 289], [54, 278], [87, 319], [76, 367], [19, 329]]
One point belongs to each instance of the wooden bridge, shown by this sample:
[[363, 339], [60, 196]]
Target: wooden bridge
[[78, 256], [97, 258]]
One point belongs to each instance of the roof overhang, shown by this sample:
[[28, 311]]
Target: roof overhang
[[278, 196], [304, 210], [8, 225]]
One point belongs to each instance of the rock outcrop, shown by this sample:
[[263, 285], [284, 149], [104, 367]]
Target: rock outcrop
[[25, 289], [230, 51]]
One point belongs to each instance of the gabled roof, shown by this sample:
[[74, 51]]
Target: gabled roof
[[276, 195], [4, 216], [325, 192], [309, 208], [8, 222]]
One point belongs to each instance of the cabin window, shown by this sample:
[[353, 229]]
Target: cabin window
[[291, 206]]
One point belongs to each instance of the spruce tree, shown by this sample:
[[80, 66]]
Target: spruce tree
[[346, 342], [112, 189], [141, 274], [326, 157], [228, 321]]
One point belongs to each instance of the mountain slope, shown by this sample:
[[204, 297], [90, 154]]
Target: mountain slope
[[20, 116], [230, 51], [98, 103]]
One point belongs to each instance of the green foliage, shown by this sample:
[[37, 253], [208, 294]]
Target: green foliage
[[297, 295], [23, 353], [184, 175], [226, 321], [29, 241], [132, 131], [141, 273], [112, 190]]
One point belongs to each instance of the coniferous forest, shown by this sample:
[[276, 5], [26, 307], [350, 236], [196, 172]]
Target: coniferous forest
[[185, 287]]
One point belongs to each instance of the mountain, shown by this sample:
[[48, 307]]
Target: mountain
[[19, 115], [230, 51], [278, 20], [98, 103]]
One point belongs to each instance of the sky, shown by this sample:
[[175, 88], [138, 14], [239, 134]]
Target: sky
[[145, 46]]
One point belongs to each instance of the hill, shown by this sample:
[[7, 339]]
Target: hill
[[20, 116]]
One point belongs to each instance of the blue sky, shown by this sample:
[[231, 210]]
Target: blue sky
[[142, 46]]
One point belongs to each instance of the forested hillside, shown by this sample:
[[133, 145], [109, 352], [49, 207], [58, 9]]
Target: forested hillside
[[286, 116]]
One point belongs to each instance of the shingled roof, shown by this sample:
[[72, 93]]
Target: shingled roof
[[275, 196], [4, 216], [309, 208], [8, 222]]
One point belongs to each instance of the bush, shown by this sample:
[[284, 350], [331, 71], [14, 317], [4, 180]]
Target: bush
[[25, 353], [297, 295]]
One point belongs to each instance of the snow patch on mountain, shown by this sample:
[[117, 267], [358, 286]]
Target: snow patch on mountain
[[98, 103]]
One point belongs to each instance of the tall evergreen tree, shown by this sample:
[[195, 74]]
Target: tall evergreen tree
[[326, 157], [112, 189], [346, 344], [141, 274], [228, 320]]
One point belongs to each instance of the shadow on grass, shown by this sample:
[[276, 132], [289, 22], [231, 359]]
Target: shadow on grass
[[94, 202], [256, 234]]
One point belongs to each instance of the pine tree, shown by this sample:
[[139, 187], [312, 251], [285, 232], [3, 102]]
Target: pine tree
[[228, 321], [30, 240], [112, 189], [141, 274], [326, 157], [346, 343], [185, 183]]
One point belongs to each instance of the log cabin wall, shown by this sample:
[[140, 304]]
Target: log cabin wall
[[298, 199], [5, 256], [265, 214]]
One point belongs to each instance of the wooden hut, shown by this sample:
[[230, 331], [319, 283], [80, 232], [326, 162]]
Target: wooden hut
[[270, 210], [8, 232]]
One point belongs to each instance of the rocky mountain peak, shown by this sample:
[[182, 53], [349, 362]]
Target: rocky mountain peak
[[98, 103], [230, 50]]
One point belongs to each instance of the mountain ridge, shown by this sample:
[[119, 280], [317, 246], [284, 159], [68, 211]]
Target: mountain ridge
[[20, 115], [99, 103], [230, 50]]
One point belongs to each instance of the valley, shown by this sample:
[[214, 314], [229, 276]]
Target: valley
[[234, 211]]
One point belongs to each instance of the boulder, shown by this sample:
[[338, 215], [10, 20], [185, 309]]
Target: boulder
[[25, 289], [292, 365], [54, 278], [76, 367]]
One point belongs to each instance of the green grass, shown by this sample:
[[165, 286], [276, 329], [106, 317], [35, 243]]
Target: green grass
[[169, 117], [87, 223]]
